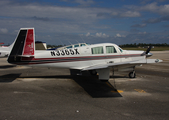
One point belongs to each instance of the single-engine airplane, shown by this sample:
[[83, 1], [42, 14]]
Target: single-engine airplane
[[96, 58]]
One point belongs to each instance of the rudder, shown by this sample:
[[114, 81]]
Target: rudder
[[29, 43]]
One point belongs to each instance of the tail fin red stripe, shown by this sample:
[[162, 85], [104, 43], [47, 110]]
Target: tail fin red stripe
[[29, 43]]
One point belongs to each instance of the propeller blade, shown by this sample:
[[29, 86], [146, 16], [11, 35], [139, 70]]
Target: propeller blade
[[148, 50]]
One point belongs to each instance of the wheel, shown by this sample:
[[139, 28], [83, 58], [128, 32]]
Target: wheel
[[93, 72], [132, 74]]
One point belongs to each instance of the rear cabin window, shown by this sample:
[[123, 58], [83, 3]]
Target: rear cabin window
[[110, 49], [97, 50], [82, 45]]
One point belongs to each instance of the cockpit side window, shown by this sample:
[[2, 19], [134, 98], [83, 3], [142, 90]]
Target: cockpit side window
[[110, 49], [97, 50], [69, 47]]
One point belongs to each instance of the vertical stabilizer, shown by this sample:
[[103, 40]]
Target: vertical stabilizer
[[24, 45]]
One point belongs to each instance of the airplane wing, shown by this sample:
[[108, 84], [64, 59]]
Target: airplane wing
[[136, 62]]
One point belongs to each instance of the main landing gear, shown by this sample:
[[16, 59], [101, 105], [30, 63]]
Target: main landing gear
[[93, 72], [132, 74]]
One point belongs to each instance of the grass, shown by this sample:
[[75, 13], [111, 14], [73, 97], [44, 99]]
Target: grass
[[144, 49]]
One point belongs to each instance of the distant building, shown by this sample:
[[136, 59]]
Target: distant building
[[148, 46], [39, 45], [1, 44]]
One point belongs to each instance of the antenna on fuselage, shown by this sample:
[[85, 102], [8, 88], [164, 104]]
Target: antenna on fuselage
[[61, 43], [77, 41], [70, 42], [82, 39]]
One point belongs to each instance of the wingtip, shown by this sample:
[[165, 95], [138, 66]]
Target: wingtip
[[158, 60]]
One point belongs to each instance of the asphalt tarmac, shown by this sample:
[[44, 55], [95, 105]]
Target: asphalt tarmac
[[53, 94]]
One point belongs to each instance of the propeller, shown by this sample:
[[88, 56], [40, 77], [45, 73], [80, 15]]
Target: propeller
[[147, 52]]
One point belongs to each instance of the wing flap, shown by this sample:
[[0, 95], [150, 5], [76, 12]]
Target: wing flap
[[101, 66]]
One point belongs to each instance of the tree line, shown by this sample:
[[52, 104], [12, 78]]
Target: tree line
[[145, 44], [125, 45]]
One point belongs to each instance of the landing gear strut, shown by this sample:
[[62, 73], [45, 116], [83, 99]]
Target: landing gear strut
[[132, 74]]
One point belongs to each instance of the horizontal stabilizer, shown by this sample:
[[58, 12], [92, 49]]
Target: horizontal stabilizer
[[25, 55]]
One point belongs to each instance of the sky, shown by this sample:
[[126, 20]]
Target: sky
[[59, 22]]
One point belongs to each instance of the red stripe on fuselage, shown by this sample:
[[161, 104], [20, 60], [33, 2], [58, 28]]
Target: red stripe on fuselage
[[32, 60]]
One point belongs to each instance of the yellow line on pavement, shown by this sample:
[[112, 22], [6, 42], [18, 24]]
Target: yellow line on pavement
[[140, 90]]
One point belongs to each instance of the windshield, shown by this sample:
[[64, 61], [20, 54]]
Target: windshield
[[121, 50]]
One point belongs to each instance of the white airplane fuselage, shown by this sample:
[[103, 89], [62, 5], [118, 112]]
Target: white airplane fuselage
[[81, 57]]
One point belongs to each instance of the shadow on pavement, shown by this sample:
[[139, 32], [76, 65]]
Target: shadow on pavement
[[9, 77], [91, 84], [7, 66], [96, 88]]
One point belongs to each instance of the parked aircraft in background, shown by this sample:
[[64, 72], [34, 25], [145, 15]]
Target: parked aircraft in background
[[96, 58], [4, 51], [39, 45], [1, 44]]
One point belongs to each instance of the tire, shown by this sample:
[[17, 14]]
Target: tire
[[93, 72], [132, 75]]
